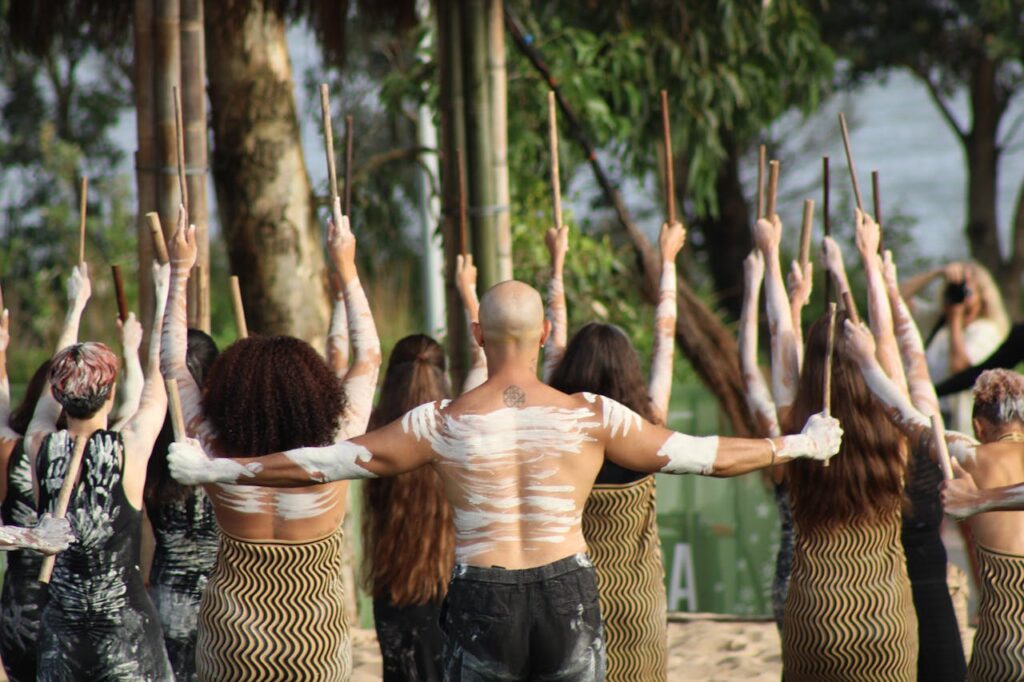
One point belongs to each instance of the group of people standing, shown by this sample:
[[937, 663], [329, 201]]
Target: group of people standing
[[509, 532]]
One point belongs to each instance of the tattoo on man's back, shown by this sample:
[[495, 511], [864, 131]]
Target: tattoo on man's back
[[514, 396]]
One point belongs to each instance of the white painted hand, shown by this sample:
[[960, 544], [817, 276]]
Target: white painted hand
[[131, 333], [341, 243], [889, 272], [753, 269], [767, 235], [833, 256], [962, 447], [79, 286], [190, 465], [868, 236], [671, 240], [50, 535], [161, 280], [183, 248], [800, 282], [860, 341], [820, 439], [961, 497]]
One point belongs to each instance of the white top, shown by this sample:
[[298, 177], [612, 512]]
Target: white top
[[981, 338]]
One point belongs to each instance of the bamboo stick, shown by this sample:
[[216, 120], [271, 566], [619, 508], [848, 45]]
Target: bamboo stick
[[773, 188], [463, 230], [194, 117], [122, 301], [761, 160], [325, 113], [177, 414], [82, 208], [826, 183], [805, 233], [876, 198], [939, 433], [349, 136], [556, 183], [830, 345], [236, 305], [851, 307], [179, 147], [849, 160], [64, 499], [666, 134], [157, 232]]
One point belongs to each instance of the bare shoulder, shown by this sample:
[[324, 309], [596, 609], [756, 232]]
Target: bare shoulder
[[998, 464]]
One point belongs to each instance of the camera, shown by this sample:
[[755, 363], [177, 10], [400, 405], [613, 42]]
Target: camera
[[956, 292]]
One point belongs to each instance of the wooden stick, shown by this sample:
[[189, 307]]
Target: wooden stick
[[556, 182], [64, 499], [939, 433], [177, 414], [876, 197], [179, 145], [236, 305], [666, 134], [851, 307], [82, 204], [849, 160], [805, 233], [463, 229], [349, 135], [830, 345], [157, 232], [773, 188], [325, 112], [826, 183], [122, 301], [761, 159]]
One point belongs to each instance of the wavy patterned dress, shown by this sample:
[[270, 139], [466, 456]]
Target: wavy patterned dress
[[23, 594], [98, 622], [998, 654], [849, 610]]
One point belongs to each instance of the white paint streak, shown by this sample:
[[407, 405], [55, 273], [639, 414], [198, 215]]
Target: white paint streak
[[190, 465], [337, 462], [689, 454], [617, 417]]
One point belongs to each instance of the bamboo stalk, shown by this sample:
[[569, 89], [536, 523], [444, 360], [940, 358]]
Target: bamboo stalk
[[177, 413], [773, 188], [157, 232], [666, 134], [349, 136], [876, 198], [325, 113], [939, 433], [236, 305], [82, 207], [122, 300], [556, 182], [193, 111], [849, 160], [761, 160], [830, 345], [826, 184], [64, 499], [805, 233], [463, 229], [179, 147]]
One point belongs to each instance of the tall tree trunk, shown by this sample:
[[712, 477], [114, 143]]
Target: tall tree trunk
[[982, 166], [193, 105], [499, 133], [167, 76], [146, 155], [266, 204]]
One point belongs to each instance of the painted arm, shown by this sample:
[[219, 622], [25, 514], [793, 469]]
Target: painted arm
[[337, 334], [759, 398], [557, 241], [361, 379], [130, 334], [785, 362], [834, 263], [659, 387], [913, 286], [49, 536], [961, 497], [639, 445], [5, 384], [44, 419], [1007, 356], [465, 282], [911, 347], [897, 406], [800, 281], [401, 446]]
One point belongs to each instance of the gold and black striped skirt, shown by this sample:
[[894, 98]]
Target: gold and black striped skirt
[[621, 530], [849, 613], [274, 610], [999, 642]]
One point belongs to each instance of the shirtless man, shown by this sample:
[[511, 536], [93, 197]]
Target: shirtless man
[[518, 459]]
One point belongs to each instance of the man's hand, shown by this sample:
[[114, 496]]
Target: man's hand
[[79, 286], [820, 439], [130, 334], [800, 283], [557, 241], [190, 465], [465, 274], [671, 240], [50, 535], [961, 497], [183, 248], [869, 236], [341, 244], [861, 341], [767, 235]]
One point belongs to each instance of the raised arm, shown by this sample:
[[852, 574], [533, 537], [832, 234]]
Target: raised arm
[[800, 281], [44, 419], [557, 240], [834, 263], [337, 334], [1007, 356], [659, 386], [5, 384], [638, 445], [897, 406], [759, 398], [130, 335], [880, 316], [908, 338], [914, 285], [785, 362], [961, 497], [465, 282], [361, 379]]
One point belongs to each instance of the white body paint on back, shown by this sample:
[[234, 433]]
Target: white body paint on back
[[689, 454], [288, 505]]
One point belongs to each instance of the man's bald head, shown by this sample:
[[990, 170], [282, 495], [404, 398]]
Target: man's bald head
[[512, 312]]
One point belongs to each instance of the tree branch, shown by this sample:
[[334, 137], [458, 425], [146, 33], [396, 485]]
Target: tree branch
[[933, 92]]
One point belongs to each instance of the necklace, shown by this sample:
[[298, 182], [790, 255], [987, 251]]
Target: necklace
[[1013, 437]]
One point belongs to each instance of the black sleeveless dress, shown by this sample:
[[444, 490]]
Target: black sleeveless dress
[[941, 654], [186, 537], [23, 594], [98, 622]]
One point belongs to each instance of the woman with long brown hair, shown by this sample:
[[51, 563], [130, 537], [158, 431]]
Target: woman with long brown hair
[[408, 537]]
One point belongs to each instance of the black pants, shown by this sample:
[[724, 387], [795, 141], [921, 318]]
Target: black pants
[[410, 639], [539, 623]]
